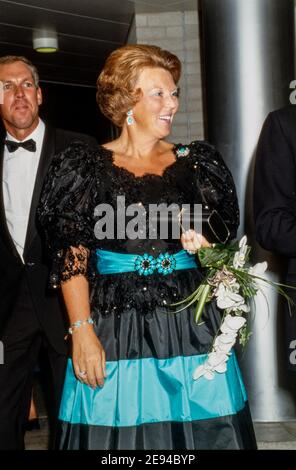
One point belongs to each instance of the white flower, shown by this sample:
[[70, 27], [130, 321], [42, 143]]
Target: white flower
[[226, 338], [240, 256], [258, 269], [228, 283], [200, 371], [235, 323], [226, 298], [229, 288], [216, 362], [217, 359], [224, 344], [238, 260], [243, 242], [234, 286], [221, 368]]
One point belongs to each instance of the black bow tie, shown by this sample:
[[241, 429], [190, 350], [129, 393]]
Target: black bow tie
[[12, 146]]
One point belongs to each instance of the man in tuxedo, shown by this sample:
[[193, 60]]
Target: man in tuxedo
[[275, 201], [30, 314]]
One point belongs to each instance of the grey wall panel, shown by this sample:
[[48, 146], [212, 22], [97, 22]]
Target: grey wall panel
[[248, 57]]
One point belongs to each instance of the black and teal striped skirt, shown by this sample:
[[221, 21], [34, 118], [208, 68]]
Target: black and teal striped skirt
[[149, 400]]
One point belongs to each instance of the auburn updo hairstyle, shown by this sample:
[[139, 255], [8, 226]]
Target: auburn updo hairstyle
[[116, 92]]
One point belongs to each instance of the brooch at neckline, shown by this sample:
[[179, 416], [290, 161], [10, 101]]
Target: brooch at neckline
[[182, 151]]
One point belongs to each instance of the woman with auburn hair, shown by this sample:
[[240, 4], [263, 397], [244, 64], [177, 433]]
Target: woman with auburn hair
[[129, 382]]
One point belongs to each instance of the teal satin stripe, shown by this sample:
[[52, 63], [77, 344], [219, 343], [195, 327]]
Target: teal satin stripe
[[153, 390], [110, 262]]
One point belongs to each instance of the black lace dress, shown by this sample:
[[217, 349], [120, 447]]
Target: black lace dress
[[149, 400]]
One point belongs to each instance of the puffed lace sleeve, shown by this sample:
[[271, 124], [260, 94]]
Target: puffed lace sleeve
[[216, 184], [65, 212]]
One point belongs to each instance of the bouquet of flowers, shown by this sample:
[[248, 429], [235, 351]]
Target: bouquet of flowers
[[233, 285]]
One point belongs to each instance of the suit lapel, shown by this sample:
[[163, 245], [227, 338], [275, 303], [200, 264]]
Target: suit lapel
[[47, 153], [4, 232]]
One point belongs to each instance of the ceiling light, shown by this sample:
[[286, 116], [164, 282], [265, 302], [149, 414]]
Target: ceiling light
[[45, 41]]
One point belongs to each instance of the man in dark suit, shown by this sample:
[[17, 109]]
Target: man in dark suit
[[30, 314], [275, 201]]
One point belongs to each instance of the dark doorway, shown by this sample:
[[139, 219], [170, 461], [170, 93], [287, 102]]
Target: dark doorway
[[74, 108]]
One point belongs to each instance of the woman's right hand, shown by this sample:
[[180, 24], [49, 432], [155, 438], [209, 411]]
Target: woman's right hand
[[193, 241], [88, 355]]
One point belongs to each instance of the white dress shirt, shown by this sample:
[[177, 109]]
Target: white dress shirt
[[19, 174]]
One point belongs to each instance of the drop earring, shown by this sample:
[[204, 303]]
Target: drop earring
[[130, 120]]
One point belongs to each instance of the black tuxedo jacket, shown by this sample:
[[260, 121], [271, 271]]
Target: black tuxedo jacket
[[275, 198], [47, 303]]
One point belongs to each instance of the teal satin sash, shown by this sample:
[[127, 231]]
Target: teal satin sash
[[110, 262]]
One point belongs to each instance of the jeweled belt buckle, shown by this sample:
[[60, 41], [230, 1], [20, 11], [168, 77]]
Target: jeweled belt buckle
[[165, 263], [147, 264]]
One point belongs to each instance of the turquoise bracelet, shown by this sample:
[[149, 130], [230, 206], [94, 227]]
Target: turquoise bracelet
[[78, 323]]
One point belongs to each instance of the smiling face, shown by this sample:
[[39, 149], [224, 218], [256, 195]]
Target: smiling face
[[21, 99], [158, 104]]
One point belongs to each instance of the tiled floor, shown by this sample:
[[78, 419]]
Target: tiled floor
[[273, 436], [38, 439]]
